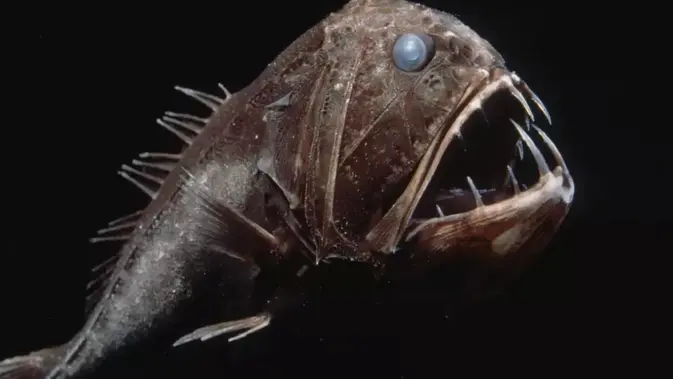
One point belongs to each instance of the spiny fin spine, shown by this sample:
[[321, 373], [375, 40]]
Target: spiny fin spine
[[211, 101], [180, 124], [101, 276], [121, 224]]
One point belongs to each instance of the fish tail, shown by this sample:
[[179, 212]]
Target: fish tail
[[36, 365]]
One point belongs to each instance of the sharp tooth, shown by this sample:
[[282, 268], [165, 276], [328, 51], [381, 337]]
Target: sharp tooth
[[475, 192], [527, 123], [459, 135], [439, 210], [519, 83], [483, 113], [555, 152], [539, 104], [539, 159], [512, 178], [522, 100], [519, 149]]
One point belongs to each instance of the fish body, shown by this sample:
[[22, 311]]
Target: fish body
[[362, 141]]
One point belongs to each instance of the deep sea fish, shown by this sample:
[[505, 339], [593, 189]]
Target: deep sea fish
[[388, 134]]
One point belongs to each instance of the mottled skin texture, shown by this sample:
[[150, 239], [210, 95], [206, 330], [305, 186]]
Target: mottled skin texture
[[367, 125], [325, 156]]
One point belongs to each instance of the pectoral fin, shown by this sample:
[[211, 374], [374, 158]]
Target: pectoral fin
[[244, 327]]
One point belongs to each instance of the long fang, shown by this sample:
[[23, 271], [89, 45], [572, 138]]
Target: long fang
[[539, 159], [539, 103], [519, 97], [475, 193], [554, 150], [211, 101]]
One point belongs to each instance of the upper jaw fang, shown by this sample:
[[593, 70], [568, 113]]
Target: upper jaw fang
[[521, 85], [516, 90], [537, 155]]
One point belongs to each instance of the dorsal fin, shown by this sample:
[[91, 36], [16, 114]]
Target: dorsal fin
[[101, 274], [147, 173]]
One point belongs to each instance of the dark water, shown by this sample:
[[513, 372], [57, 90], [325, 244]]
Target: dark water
[[92, 86]]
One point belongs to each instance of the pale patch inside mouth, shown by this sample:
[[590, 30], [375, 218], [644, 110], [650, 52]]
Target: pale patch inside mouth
[[487, 163]]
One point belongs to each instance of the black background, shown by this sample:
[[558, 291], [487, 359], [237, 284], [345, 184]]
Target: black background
[[91, 81]]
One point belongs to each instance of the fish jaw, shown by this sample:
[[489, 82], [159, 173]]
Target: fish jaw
[[517, 222]]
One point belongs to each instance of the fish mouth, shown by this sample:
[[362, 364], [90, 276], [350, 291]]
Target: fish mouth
[[492, 176]]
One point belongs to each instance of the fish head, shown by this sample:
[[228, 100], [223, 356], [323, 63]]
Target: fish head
[[431, 140]]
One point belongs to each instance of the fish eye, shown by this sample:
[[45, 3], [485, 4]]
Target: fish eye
[[413, 51]]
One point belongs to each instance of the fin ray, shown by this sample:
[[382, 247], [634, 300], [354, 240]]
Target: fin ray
[[166, 167], [101, 276], [109, 238], [211, 101], [237, 223], [131, 216], [185, 138], [192, 127], [147, 154]]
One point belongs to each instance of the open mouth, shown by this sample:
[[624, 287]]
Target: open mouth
[[493, 158]]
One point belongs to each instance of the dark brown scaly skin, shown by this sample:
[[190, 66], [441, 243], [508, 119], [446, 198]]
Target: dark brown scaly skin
[[332, 153]]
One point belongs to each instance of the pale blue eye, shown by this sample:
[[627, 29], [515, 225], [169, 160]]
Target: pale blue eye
[[412, 51]]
